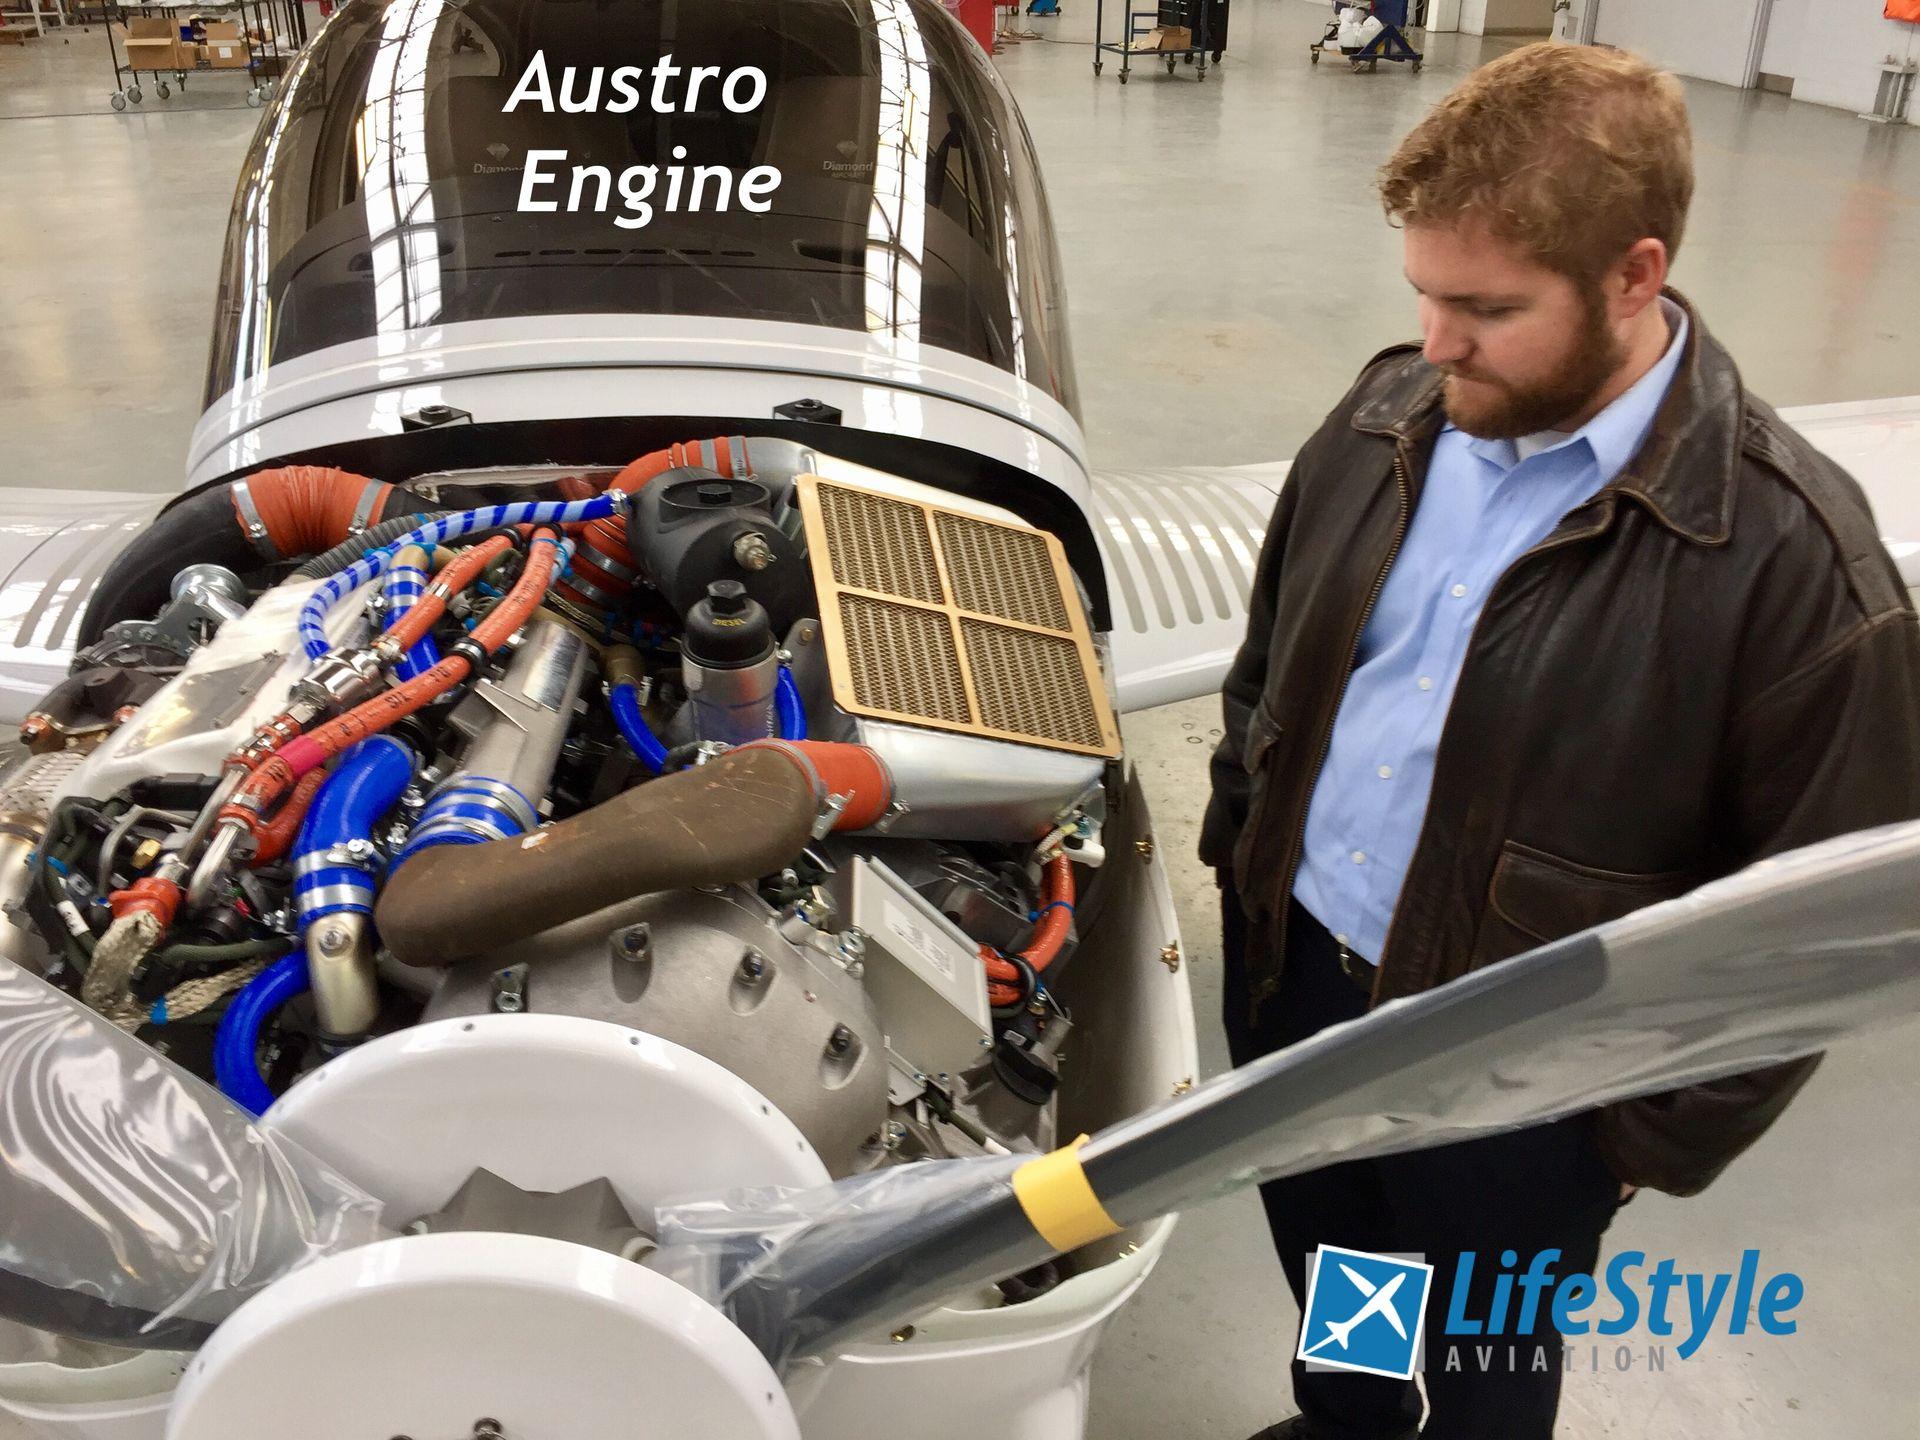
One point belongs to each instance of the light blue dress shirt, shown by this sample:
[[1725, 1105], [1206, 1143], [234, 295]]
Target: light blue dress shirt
[[1485, 503]]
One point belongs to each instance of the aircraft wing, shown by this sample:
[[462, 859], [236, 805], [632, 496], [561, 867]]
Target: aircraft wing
[[1180, 543], [54, 546], [1180, 546]]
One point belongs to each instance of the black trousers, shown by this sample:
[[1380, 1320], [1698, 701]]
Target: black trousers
[[1526, 1191]]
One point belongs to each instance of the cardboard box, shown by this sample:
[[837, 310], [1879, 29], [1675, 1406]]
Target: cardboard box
[[224, 55], [152, 54], [215, 32], [153, 44], [1164, 37]]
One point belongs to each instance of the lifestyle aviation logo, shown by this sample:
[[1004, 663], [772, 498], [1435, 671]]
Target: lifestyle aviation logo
[[1365, 1312]]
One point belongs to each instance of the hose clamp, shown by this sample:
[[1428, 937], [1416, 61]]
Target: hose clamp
[[479, 823], [579, 583], [472, 651], [482, 789], [606, 560], [331, 900], [250, 520], [370, 496]]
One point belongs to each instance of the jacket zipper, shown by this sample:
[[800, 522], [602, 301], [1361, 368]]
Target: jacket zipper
[[1549, 544], [1353, 649]]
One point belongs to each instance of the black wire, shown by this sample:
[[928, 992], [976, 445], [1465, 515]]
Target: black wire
[[1029, 985]]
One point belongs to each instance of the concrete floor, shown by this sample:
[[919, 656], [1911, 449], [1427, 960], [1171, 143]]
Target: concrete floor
[[1228, 271]]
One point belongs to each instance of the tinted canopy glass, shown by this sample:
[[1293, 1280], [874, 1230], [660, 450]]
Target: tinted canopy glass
[[382, 194]]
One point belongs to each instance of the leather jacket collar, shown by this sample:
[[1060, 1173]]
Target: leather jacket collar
[[1683, 476]]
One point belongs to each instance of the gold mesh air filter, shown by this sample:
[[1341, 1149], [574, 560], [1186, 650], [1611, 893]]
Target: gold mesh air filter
[[936, 617]]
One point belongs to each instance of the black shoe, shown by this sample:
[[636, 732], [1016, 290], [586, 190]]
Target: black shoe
[[1298, 1428], [1301, 1428]]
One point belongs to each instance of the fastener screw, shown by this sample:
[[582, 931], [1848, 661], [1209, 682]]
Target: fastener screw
[[752, 965], [840, 1041], [1145, 847], [752, 551], [1170, 957]]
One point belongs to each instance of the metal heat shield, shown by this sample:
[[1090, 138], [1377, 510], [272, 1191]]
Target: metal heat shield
[[923, 973]]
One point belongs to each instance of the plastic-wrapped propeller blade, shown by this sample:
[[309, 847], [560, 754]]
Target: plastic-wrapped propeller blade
[[141, 1205], [1776, 962]]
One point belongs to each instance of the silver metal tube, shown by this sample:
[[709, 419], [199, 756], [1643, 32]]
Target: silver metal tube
[[518, 735], [346, 994], [213, 864]]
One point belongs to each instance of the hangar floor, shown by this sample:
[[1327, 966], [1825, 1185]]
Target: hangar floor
[[1228, 271]]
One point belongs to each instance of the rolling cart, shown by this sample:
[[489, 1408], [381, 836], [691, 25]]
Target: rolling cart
[[276, 19], [1204, 19], [1389, 43]]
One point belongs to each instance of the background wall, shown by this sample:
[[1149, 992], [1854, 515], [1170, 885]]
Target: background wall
[[1519, 17], [1832, 49], [1707, 38], [1783, 36]]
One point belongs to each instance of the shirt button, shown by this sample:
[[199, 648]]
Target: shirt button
[[1359, 857], [1386, 772], [1426, 682], [1458, 591]]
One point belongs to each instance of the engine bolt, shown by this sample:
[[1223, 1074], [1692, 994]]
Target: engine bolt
[[1145, 847], [752, 551], [145, 853], [840, 1041], [331, 940], [753, 965], [637, 942]]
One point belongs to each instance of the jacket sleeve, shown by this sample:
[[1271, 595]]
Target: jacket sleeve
[[1240, 692], [1832, 747]]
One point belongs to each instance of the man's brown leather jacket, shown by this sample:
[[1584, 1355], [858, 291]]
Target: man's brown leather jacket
[[1710, 661]]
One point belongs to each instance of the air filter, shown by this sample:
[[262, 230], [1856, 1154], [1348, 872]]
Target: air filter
[[940, 618]]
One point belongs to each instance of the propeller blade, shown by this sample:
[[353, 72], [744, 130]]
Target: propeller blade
[[1776, 962], [142, 1206]]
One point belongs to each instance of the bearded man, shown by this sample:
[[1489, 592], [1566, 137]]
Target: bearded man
[[1554, 620]]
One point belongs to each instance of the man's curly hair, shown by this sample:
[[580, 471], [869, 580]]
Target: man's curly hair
[[1571, 152]]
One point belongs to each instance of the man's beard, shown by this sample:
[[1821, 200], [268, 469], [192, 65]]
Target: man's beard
[[1494, 410]]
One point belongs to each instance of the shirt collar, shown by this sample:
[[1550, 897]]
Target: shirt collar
[[1614, 435]]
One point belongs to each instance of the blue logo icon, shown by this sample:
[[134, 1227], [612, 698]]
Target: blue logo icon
[[1365, 1312]]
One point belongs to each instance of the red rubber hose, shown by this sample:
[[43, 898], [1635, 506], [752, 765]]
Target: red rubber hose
[[1056, 918]]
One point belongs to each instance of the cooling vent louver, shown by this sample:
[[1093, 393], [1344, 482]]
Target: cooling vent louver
[[935, 617]]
